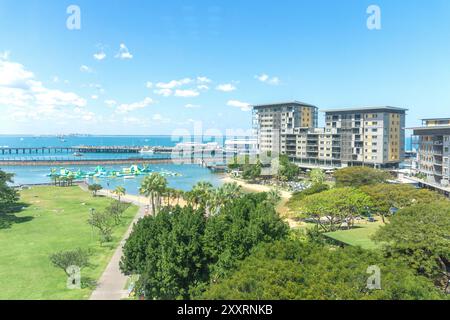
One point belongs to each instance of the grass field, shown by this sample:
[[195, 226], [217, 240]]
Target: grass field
[[53, 219], [360, 236]]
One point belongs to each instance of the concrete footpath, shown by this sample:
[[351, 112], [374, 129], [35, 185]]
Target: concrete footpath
[[111, 285]]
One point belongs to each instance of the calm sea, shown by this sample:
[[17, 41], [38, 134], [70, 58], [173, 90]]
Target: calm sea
[[186, 175]]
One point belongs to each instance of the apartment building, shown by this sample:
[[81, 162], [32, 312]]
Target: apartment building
[[369, 136], [276, 123], [432, 142], [372, 136]]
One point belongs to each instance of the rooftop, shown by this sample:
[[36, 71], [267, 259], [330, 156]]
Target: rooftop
[[279, 104], [436, 119], [382, 108], [430, 128]]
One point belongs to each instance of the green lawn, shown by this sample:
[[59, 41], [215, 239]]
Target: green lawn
[[359, 236], [54, 219]]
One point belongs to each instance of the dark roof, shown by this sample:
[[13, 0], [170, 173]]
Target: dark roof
[[295, 102], [362, 109]]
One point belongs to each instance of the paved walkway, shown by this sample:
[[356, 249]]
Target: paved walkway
[[111, 285]]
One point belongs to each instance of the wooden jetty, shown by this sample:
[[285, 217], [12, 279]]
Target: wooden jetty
[[78, 149]]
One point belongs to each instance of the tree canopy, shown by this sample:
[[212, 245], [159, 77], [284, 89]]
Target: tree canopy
[[8, 195], [359, 176], [180, 250], [398, 196], [330, 209], [419, 235], [294, 270], [287, 171]]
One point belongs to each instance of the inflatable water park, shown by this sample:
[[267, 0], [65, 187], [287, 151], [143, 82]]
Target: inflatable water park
[[101, 172]]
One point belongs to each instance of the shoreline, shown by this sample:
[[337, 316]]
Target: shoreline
[[253, 187]]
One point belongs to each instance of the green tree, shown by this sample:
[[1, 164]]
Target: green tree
[[103, 222], [359, 176], [274, 197], [116, 210], [242, 224], [8, 195], [317, 176], [166, 251], [65, 259], [178, 252], [397, 196], [200, 195], [119, 191], [287, 170], [252, 171], [95, 188], [331, 209], [153, 187], [295, 270], [419, 235], [298, 196]]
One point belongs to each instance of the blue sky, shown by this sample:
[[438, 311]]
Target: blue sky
[[164, 65]]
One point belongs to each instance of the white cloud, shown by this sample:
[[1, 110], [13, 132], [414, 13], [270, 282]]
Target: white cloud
[[135, 121], [124, 53], [202, 87], [163, 92], [27, 99], [238, 104], [86, 69], [94, 97], [14, 75], [203, 80], [101, 55], [111, 103], [191, 106], [174, 83], [4, 55], [186, 93], [159, 118], [227, 87], [267, 79], [125, 108], [149, 84]]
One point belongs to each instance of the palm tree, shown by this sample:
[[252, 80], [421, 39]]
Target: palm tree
[[274, 196], [70, 179], [55, 179], [223, 195], [200, 194], [119, 192], [153, 187]]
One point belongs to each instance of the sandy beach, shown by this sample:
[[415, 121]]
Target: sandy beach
[[255, 187]]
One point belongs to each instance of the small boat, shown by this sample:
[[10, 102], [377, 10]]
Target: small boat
[[129, 177], [147, 150], [77, 154]]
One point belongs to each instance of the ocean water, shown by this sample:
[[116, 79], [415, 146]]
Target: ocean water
[[73, 141], [187, 175]]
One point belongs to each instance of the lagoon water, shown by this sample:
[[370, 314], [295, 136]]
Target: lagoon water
[[187, 176]]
